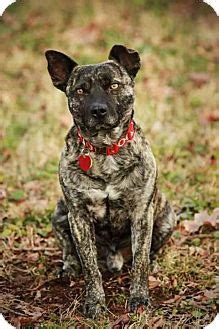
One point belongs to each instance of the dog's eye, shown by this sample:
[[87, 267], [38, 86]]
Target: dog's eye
[[114, 86], [79, 91]]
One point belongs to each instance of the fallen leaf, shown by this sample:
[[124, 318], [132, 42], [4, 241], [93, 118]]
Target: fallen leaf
[[21, 320], [207, 117], [201, 219], [199, 78], [191, 226], [214, 218], [192, 284], [212, 117], [32, 257], [211, 294], [172, 300], [38, 294], [121, 321], [153, 282], [140, 309]]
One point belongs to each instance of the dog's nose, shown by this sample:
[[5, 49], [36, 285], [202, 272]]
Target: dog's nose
[[99, 111]]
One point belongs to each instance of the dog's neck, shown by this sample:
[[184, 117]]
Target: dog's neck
[[109, 145], [105, 138]]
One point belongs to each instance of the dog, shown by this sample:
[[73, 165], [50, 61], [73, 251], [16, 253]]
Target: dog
[[108, 176]]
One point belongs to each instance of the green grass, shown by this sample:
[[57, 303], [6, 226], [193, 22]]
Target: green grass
[[176, 41]]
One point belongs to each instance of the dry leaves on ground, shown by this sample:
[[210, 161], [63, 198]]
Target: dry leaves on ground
[[201, 219]]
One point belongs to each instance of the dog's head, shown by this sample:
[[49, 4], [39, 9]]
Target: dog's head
[[100, 96]]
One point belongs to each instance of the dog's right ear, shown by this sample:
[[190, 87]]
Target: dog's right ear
[[60, 67]]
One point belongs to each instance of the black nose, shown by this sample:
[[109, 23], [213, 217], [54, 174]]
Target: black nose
[[99, 111]]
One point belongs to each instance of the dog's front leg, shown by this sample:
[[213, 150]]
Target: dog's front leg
[[141, 230], [84, 238]]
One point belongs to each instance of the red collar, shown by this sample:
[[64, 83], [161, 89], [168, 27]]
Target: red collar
[[110, 150], [85, 161]]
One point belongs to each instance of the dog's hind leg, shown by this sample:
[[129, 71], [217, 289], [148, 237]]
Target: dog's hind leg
[[164, 222], [71, 262]]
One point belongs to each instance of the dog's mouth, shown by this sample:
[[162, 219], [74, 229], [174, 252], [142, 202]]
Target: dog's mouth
[[93, 129], [102, 135], [107, 129]]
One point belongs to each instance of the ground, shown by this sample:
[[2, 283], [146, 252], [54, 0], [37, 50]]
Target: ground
[[177, 100]]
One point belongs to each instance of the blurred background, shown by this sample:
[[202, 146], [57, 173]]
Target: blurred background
[[177, 99]]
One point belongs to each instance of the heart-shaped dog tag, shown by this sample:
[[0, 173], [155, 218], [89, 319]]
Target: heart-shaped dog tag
[[85, 162]]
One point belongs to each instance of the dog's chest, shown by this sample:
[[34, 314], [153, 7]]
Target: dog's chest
[[100, 202], [106, 208], [110, 205], [105, 167], [110, 191]]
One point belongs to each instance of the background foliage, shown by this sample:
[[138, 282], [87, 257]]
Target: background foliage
[[177, 101]]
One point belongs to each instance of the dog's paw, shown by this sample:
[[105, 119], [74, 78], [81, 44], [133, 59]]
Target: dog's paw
[[138, 301], [94, 307]]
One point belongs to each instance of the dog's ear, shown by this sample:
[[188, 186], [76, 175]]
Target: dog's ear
[[60, 67], [128, 58]]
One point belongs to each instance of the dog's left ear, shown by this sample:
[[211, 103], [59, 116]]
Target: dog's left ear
[[60, 67], [128, 58]]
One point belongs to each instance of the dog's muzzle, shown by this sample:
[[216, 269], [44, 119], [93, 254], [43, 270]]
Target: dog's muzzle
[[101, 117], [99, 111]]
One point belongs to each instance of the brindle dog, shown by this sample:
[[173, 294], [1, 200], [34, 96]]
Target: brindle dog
[[108, 177]]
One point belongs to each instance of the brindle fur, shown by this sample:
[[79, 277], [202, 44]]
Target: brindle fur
[[116, 203]]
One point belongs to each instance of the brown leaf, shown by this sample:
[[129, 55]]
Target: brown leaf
[[153, 282], [32, 257], [121, 321], [208, 117], [172, 300], [214, 218], [201, 219], [212, 117], [21, 320], [140, 309], [199, 78], [211, 294], [191, 226]]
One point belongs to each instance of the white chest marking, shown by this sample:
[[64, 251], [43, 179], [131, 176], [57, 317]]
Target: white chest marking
[[98, 206], [110, 165], [112, 193]]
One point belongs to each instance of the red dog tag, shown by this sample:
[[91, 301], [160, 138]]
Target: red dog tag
[[85, 162]]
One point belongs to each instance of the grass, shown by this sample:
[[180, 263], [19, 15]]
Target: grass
[[176, 103]]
